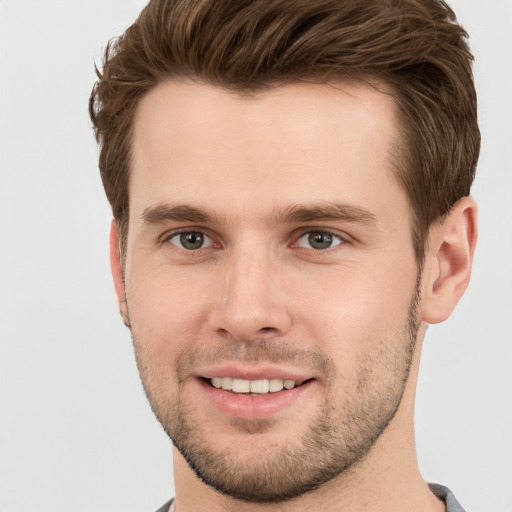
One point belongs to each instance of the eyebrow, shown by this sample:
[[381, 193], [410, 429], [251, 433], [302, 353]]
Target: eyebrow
[[161, 213], [325, 211]]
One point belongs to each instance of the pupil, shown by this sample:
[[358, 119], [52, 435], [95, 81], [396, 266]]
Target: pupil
[[320, 240], [192, 240]]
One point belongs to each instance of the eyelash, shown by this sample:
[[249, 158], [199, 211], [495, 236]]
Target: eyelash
[[169, 236], [341, 239]]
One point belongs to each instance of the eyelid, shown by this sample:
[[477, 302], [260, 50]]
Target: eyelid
[[168, 235], [342, 237]]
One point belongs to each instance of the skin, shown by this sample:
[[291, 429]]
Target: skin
[[257, 295]]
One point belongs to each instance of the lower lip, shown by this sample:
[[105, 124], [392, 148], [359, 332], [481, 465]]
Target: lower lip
[[253, 407]]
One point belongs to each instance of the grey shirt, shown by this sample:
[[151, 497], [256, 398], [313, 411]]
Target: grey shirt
[[452, 505]]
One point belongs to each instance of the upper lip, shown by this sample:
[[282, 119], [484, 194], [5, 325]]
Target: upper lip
[[258, 372]]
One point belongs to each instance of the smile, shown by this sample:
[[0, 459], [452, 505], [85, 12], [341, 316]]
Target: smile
[[254, 387], [254, 394]]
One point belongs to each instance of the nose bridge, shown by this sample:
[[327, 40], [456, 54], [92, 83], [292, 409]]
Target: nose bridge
[[251, 302], [249, 281]]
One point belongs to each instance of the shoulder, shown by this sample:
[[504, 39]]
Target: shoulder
[[452, 505], [167, 507]]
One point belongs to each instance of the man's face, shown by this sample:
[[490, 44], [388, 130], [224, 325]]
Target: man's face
[[269, 248]]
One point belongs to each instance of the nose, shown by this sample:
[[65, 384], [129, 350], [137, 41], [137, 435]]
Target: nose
[[250, 303]]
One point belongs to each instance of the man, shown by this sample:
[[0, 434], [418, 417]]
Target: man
[[290, 187]]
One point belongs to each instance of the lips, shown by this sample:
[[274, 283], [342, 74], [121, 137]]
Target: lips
[[253, 395]]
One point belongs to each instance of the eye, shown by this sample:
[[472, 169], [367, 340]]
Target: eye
[[190, 240], [319, 240]]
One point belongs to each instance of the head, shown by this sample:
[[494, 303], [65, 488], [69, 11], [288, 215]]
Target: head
[[289, 182], [415, 48]]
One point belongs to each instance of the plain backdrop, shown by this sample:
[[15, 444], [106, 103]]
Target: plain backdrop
[[76, 433]]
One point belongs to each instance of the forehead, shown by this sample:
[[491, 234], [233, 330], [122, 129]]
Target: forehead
[[298, 143]]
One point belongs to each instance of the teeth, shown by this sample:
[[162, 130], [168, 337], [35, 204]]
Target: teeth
[[275, 385], [227, 383], [241, 386], [289, 384], [259, 387]]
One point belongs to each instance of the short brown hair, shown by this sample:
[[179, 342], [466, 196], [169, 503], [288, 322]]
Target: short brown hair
[[414, 46]]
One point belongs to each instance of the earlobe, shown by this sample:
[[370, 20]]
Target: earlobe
[[449, 260], [117, 272]]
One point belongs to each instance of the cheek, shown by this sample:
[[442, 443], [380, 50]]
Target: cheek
[[349, 311], [167, 308]]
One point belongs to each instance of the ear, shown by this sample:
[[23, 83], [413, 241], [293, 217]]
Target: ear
[[116, 266], [448, 261]]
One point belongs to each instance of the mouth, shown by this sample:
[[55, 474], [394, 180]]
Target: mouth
[[257, 387], [256, 393]]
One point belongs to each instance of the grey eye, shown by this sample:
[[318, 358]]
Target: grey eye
[[319, 240], [190, 240]]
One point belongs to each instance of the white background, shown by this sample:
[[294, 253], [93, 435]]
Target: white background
[[76, 434]]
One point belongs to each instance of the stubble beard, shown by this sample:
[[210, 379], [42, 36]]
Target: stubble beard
[[340, 437]]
